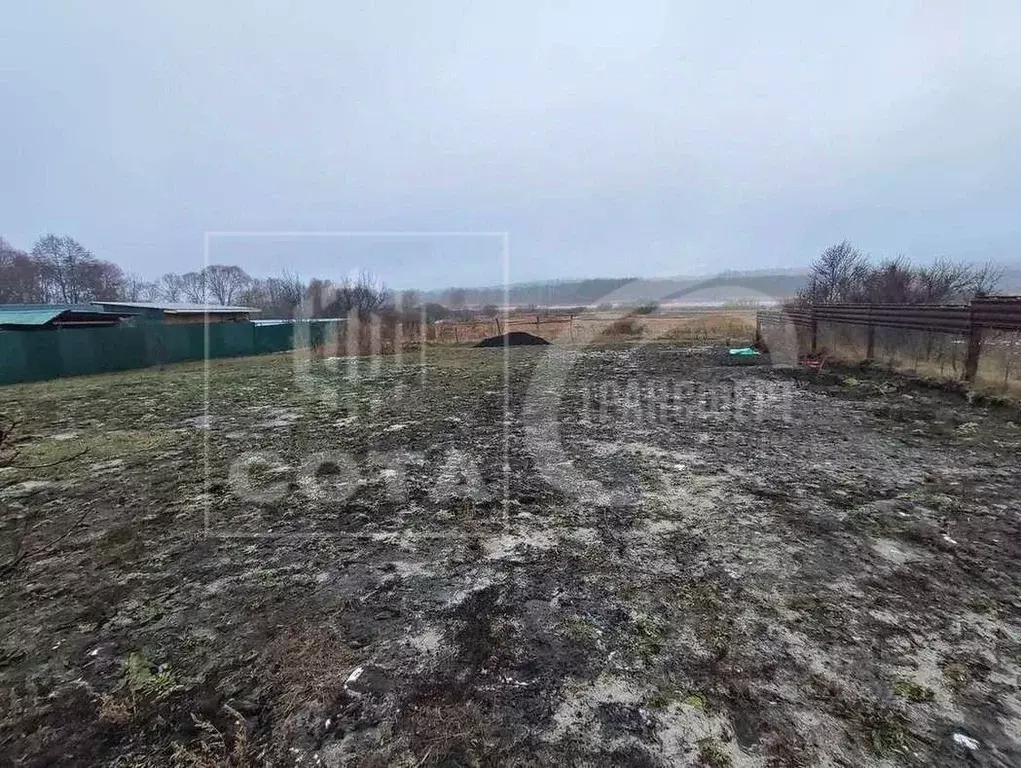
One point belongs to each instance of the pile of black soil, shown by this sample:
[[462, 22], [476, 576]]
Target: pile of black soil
[[514, 339]]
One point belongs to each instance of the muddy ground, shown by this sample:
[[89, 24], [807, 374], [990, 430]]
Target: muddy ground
[[333, 565]]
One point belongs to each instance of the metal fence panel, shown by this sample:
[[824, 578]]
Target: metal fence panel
[[43, 354], [1002, 313]]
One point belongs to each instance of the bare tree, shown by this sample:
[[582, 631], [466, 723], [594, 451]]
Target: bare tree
[[193, 287], [837, 275], [150, 291], [65, 263], [71, 274], [225, 281], [20, 276], [256, 294], [137, 288], [842, 274], [275, 296], [364, 295], [943, 280], [103, 280], [171, 287], [985, 278], [368, 294], [892, 282], [289, 292]]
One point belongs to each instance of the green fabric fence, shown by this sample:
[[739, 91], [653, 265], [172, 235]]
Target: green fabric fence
[[49, 353]]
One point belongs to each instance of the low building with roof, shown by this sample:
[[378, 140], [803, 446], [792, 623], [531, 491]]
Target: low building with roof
[[25, 317], [175, 313]]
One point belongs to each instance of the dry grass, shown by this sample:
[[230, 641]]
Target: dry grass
[[626, 326], [311, 663], [933, 355], [712, 326], [115, 711], [709, 328], [457, 733], [211, 749]]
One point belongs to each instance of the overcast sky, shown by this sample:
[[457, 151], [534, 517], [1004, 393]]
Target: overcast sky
[[644, 138]]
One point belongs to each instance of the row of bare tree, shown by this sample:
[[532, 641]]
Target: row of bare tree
[[59, 269], [844, 275]]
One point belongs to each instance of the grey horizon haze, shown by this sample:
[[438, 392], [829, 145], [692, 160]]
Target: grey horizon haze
[[607, 139]]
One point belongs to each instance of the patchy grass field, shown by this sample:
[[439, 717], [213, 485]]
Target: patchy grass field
[[715, 565], [717, 327]]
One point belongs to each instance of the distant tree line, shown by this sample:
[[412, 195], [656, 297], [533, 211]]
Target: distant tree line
[[60, 270], [843, 274]]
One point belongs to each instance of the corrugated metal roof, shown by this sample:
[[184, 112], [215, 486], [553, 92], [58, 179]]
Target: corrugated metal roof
[[30, 316], [300, 320], [172, 308], [54, 305]]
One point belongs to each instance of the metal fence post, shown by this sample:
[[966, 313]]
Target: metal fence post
[[974, 345], [870, 338]]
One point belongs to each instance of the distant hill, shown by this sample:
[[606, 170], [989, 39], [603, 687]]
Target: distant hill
[[725, 287], [761, 285]]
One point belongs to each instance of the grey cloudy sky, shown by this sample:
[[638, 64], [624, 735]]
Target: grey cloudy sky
[[647, 138]]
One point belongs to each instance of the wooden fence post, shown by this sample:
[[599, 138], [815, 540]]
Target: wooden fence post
[[974, 345], [815, 330], [870, 338]]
